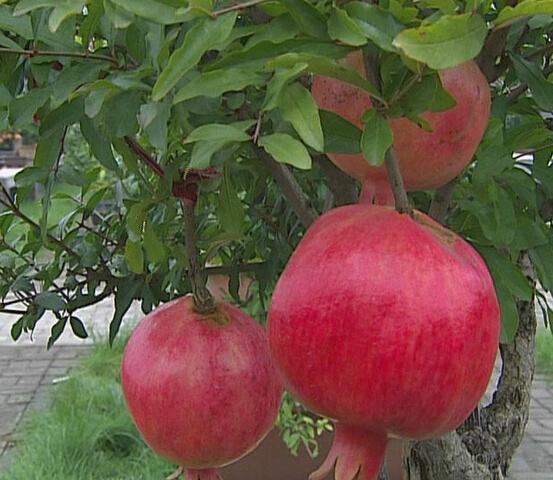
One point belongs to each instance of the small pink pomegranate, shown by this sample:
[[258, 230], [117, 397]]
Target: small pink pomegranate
[[201, 388], [427, 160], [388, 324]]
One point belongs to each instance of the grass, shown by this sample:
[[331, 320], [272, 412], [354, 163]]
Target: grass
[[544, 353], [86, 434]]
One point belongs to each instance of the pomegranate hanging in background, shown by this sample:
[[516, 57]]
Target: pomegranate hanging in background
[[201, 388], [388, 324], [428, 160]]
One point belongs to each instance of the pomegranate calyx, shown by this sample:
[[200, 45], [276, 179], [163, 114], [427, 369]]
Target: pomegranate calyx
[[208, 474], [356, 454]]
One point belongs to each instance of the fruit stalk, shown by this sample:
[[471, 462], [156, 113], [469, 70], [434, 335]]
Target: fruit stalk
[[203, 300], [397, 184]]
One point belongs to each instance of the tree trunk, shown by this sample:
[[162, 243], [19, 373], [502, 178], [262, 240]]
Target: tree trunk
[[483, 447]]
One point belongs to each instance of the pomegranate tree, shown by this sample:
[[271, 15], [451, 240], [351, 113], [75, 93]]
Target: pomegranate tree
[[201, 388], [396, 336], [427, 160]]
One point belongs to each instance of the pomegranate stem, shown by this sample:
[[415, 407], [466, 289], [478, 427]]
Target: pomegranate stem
[[203, 300]]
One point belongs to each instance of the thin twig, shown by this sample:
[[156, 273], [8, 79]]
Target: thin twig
[[290, 187], [396, 183], [408, 86], [238, 6], [441, 201], [48, 53], [13, 312]]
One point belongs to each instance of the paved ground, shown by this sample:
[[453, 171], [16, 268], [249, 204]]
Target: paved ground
[[27, 370]]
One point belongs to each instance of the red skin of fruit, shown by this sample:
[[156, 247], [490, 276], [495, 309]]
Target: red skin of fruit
[[428, 160], [201, 389], [386, 323]]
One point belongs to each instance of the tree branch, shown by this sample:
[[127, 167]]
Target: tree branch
[[290, 187], [143, 155], [442, 201], [48, 53], [340, 184]]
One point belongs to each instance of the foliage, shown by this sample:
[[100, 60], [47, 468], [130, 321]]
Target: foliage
[[163, 89]]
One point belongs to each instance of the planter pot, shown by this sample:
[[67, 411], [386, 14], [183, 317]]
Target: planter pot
[[273, 461]]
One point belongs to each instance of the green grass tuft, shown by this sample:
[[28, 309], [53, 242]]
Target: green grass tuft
[[87, 433], [544, 353]]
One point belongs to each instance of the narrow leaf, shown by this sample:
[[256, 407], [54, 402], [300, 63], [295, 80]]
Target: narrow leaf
[[286, 149], [377, 138], [299, 108], [198, 40], [450, 41]]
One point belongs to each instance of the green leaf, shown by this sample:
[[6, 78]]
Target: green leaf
[[450, 41], [280, 79], [377, 25], [50, 301], [427, 95], [18, 25], [280, 29], [63, 10], [532, 74], [135, 256], [221, 133], [377, 138], [509, 314], [100, 146], [216, 82], [136, 218], [230, 209], [526, 8], [66, 114], [298, 107], [340, 135], [307, 17], [286, 149], [154, 119], [341, 27], [203, 152], [22, 109], [198, 40], [325, 66], [78, 327], [17, 329], [56, 332], [48, 150], [509, 274], [155, 249], [542, 258], [124, 295], [154, 11]]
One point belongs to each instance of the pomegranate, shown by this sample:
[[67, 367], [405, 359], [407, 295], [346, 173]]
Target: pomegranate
[[427, 160], [201, 388], [396, 337]]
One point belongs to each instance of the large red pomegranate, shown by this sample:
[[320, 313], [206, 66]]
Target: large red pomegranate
[[388, 324], [427, 160], [201, 388]]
